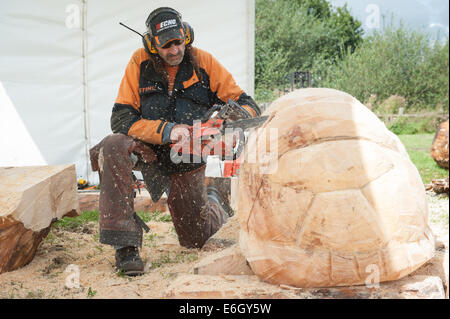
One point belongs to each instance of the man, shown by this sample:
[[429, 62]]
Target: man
[[167, 85]]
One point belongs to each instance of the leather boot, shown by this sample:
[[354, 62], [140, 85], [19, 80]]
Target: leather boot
[[214, 195], [129, 261]]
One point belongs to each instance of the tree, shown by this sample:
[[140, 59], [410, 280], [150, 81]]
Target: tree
[[395, 61], [301, 35]]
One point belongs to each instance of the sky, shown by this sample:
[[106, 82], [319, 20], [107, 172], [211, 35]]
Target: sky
[[428, 15]]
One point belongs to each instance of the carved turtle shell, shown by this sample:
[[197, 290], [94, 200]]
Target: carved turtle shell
[[336, 202]]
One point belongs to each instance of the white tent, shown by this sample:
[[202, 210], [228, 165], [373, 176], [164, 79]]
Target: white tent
[[61, 63]]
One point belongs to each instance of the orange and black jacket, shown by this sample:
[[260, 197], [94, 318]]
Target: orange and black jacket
[[144, 109]]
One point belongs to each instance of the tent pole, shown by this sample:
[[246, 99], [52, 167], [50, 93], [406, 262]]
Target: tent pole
[[85, 87], [250, 7]]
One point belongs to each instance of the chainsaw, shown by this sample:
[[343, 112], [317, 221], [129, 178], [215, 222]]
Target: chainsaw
[[219, 134]]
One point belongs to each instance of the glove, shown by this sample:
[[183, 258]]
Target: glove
[[182, 139]]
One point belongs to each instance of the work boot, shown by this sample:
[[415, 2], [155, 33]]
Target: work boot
[[214, 195], [129, 261]]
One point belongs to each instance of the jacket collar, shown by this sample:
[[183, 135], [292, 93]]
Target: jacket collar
[[185, 77]]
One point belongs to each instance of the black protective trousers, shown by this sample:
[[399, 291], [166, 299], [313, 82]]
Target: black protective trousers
[[194, 216]]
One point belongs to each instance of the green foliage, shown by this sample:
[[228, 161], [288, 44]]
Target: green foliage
[[91, 293], [396, 61], [297, 35], [418, 147], [404, 125], [312, 35]]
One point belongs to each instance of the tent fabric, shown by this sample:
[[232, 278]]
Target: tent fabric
[[61, 64]]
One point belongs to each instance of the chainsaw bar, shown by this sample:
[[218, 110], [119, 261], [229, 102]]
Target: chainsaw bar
[[247, 123]]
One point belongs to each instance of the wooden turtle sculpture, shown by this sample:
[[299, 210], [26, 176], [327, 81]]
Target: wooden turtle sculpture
[[337, 200]]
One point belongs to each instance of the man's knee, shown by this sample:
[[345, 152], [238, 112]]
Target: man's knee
[[115, 144]]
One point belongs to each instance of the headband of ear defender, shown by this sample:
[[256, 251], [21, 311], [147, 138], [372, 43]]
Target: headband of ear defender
[[163, 25]]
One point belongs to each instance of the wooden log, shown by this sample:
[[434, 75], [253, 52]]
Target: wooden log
[[438, 265], [440, 186], [226, 236], [88, 201], [31, 199], [229, 261], [439, 147], [250, 287], [224, 287], [234, 193]]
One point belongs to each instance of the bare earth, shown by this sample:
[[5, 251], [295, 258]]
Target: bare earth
[[48, 275]]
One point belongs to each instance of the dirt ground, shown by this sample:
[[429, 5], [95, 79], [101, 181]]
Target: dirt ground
[[64, 254]]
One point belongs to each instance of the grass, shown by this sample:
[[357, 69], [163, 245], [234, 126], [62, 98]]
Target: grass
[[74, 223], [38, 294], [91, 293], [156, 216], [418, 147], [175, 258]]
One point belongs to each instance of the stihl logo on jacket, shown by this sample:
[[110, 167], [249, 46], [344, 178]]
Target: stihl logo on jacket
[[165, 24]]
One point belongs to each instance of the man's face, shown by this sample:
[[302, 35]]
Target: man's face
[[173, 52]]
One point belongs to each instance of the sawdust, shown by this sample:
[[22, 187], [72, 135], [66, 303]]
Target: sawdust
[[52, 270], [49, 274]]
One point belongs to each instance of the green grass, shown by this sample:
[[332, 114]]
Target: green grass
[[73, 223], [418, 147], [91, 293], [156, 216]]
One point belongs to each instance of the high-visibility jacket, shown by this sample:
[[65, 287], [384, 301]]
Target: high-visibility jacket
[[144, 109]]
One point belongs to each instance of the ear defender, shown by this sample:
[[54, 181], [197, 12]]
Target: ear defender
[[148, 45], [188, 33], [147, 38]]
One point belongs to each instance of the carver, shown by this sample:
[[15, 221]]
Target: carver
[[166, 86]]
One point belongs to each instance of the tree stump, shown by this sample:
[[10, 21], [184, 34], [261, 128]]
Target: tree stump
[[439, 147], [440, 186], [250, 287], [31, 199]]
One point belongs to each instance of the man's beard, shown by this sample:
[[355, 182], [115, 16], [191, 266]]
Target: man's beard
[[174, 60]]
